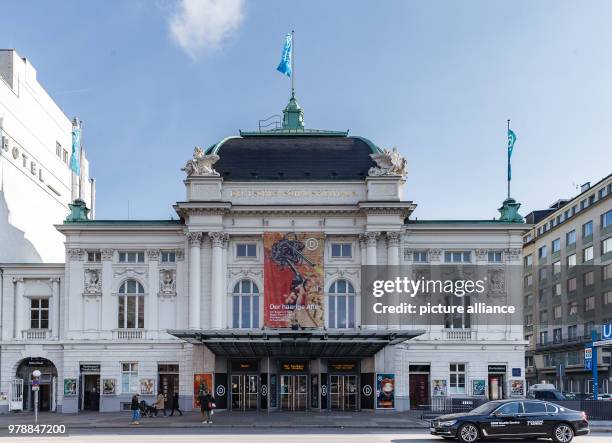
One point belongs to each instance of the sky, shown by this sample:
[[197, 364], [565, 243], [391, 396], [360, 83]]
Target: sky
[[150, 79]]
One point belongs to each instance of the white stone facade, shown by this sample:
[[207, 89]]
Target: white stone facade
[[36, 184]]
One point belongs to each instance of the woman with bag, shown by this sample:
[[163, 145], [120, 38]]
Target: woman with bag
[[207, 405]]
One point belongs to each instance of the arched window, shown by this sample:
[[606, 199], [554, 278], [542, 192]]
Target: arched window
[[131, 305], [245, 305], [341, 305]]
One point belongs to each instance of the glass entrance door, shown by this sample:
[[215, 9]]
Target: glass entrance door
[[343, 391], [294, 392], [244, 392]]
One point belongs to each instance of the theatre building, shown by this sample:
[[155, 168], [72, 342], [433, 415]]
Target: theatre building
[[254, 292]]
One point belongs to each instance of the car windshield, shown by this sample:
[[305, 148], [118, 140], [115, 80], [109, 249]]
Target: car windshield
[[486, 408]]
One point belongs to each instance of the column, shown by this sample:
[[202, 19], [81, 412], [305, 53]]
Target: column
[[224, 300], [371, 240], [217, 283], [151, 320], [393, 239], [195, 239], [55, 301], [362, 249], [109, 303], [19, 314]]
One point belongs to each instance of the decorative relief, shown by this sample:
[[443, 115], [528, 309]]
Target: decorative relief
[[497, 283], [153, 254], [333, 274], [180, 255], [513, 254], [123, 272], [167, 282], [201, 165], [17, 279], [388, 163], [54, 280], [246, 272], [76, 254], [435, 254], [93, 281], [408, 255], [107, 254], [481, 254]]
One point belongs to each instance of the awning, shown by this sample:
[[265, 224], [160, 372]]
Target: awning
[[295, 343]]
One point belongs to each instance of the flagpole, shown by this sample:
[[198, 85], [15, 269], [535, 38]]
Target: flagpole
[[292, 63], [508, 172]]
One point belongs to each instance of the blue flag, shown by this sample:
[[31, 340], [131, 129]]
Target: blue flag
[[285, 64], [75, 157], [511, 141]]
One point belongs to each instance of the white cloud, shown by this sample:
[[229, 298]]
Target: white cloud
[[200, 26]]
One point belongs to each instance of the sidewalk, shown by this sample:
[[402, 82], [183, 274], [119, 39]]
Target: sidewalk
[[259, 420]]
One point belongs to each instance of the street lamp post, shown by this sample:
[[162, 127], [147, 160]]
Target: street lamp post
[[35, 388]]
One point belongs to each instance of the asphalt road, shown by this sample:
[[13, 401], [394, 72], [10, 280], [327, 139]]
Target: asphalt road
[[252, 436]]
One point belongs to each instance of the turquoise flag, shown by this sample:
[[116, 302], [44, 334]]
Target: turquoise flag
[[511, 141], [75, 157], [285, 64]]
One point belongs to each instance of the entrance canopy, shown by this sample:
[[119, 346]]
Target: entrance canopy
[[295, 343]]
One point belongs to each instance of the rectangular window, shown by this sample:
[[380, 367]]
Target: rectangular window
[[556, 267], [528, 280], [457, 256], [543, 337], [542, 252], [606, 219], [543, 316], [557, 312], [572, 308], [419, 256], [168, 257], [607, 298], [588, 328], [589, 303], [65, 156], [570, 237], [246, 250], [341, 250], [528, 260], [571, 260], [39, 313], [129, 378], [457, 378], [556, 245], [587, 254], [556, 289], [572, 332], [571, 284], [94, 257], [131, 257], [607, 272], [557, 334], [606, 246], [495, 257], [58, 149], [542, 274], [588, 278], [587, 229]]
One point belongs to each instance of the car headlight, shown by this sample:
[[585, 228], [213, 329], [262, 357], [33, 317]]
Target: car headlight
[[448, 423]]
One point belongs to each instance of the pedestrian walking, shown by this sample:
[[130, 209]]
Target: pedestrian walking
[[160, 404], [207, 406], [175, 404], [135, 408]]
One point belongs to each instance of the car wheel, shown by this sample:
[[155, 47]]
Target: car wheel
[[468, 433], [563, 433]]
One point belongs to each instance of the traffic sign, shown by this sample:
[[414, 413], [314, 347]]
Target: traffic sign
[[588, 353]]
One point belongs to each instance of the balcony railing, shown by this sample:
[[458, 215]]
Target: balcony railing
[[36, 334], [459, 334], [128, 334]]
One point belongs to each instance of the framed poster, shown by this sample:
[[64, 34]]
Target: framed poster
[[147, 386], [438, 388], [517, 388], [109, 386], [294, 288], [201, 383], [479, 386], [70, 387], [385, 391]]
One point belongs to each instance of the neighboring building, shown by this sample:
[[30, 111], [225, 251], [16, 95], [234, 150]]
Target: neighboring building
[[256, 290], [36, 184], [567, 257]]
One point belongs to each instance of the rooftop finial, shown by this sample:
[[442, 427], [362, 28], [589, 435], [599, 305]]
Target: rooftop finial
[[293, 116]]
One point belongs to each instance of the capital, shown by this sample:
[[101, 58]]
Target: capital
[[393, 238], [153, 254], [218, 238], [106, 254], [371, 238], [54, 280], [195, 238], [17, 279], [75, 254]]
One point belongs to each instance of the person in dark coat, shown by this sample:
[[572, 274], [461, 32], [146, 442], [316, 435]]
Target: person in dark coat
[[207, 405], [135, 408], [175, 404]]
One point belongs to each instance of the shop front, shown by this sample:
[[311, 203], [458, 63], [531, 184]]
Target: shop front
[[497, 381]]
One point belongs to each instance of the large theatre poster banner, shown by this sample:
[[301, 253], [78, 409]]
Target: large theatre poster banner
[[293, 279]]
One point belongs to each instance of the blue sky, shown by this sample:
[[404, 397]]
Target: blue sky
[[436, 79]]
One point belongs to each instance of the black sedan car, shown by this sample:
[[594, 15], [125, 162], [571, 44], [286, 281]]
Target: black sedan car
[[513, 419]]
